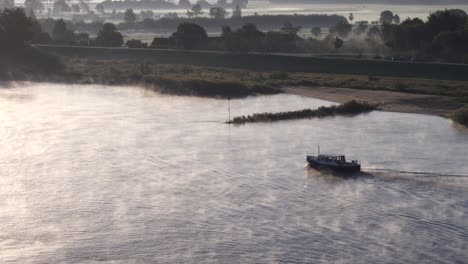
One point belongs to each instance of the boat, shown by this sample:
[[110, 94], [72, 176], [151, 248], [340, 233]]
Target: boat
[[333, 162]]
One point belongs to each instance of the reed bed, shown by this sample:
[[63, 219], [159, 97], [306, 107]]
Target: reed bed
[[350, 108]]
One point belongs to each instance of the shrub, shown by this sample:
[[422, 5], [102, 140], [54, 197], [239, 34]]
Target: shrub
[[461, 116], [401, 87], [279, 75]]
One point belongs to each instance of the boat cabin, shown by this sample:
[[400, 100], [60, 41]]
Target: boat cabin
[[332, 158]]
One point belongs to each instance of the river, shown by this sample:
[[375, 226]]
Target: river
[[123, 175]]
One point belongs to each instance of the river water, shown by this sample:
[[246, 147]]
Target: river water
[[123, 175]]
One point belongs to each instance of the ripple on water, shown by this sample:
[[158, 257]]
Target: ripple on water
[[93, 173]]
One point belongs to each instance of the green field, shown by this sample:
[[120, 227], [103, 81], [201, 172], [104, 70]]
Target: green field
[[268, 62]]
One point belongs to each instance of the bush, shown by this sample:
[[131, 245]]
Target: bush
[[279, 75], [461, 116], [401, 87]]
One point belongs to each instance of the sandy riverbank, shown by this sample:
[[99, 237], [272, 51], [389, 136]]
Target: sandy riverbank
[[388, 101]]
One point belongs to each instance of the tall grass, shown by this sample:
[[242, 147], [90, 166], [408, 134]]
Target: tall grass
[[349, 108]]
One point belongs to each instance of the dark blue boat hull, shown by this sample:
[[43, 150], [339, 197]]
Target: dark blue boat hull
[[350, 168]]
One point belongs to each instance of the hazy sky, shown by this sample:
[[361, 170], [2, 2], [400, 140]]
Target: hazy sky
[[435, 2]]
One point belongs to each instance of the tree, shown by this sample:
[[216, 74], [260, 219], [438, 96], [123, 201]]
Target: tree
[[290, 29], [447, 20], [450, 45], [184, 3], [226, 31], [75, 8], [338, 43], [251, 31], [316, 31], [129, 16], [33, 5], [196, 10], [190, 36], [171, 15], [250, 38], [136, 44], [237, 11], [386, 17], [146, 14], [82, 39], [108, 36], [342, 28], [203, 3], [61, 6], [59, 30], [218, 12], [7, 4], [16, 29], [61, 34], [84, 7], [411, 35], [396, 19], [351, 17], [100, 8], [241, 3], [361, 29], [373, 32]]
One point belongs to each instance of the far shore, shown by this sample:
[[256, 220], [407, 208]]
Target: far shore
[[387, 100]]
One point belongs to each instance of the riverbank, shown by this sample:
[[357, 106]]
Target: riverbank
[[387, 100], [397, 94]]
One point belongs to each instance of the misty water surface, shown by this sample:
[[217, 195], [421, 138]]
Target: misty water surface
[[122, 175]]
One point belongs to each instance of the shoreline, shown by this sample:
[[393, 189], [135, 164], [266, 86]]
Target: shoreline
[[388, 101]]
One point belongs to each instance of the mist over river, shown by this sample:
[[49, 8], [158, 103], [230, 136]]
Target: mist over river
[[95, 174]]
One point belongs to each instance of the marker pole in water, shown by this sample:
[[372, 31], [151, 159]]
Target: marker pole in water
[[229, 109]]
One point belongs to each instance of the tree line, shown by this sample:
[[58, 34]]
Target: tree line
[[443, 37]]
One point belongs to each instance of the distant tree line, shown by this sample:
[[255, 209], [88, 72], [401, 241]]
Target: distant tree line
[[217, 20], [443, 37], [167, 25], [248, 38]]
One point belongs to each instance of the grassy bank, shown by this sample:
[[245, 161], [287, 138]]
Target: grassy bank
[[349, 108], [214, 81], [224, 82], [186, 79], [171, 79]]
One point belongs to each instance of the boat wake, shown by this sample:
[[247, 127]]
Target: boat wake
[[417, 173]]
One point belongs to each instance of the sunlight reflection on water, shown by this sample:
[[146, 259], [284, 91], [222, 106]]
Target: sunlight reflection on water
[[121, 174]]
